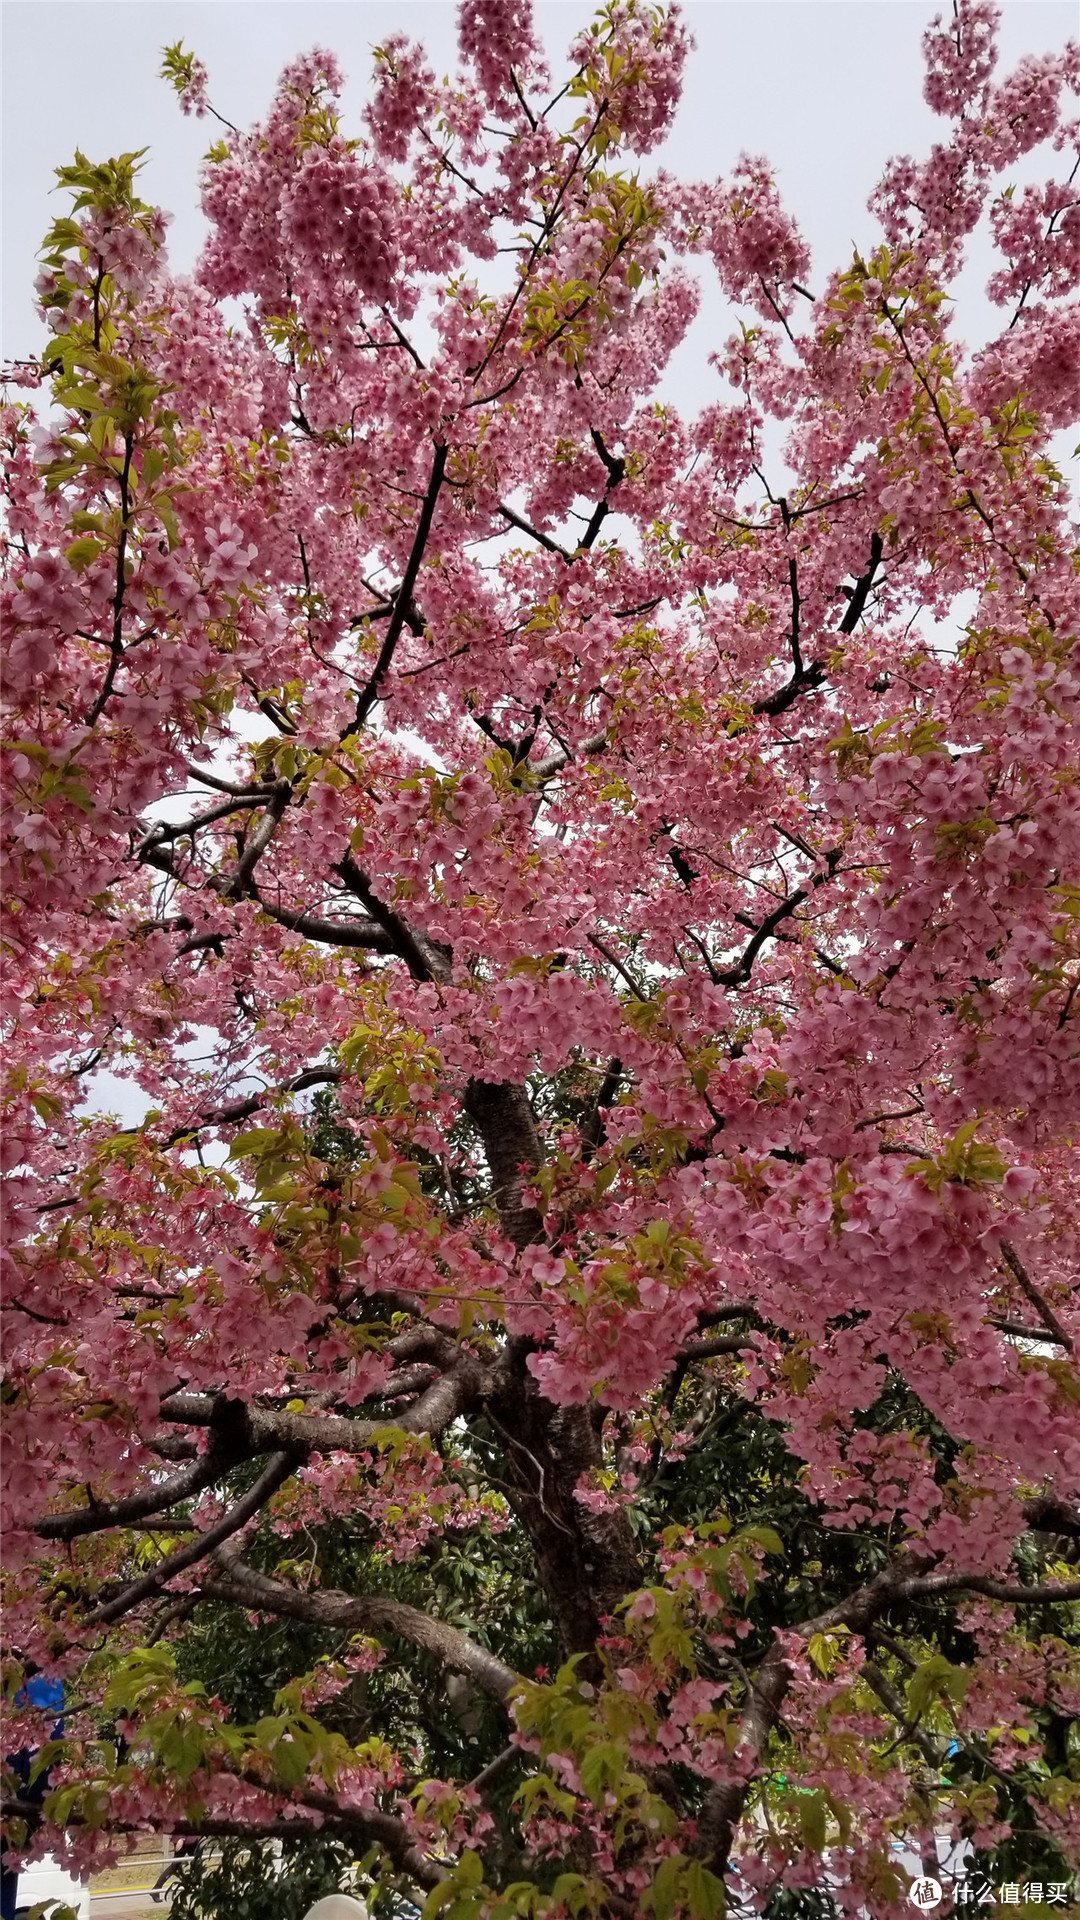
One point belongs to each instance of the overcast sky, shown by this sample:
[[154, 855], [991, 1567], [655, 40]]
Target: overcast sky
[[828, 89]]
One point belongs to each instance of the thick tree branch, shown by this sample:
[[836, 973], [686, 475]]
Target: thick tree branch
[[163, 830], [252, 789], [277, 1470], [372, 692], [721, 1343], [861, 593], [368, 936], [242, 1433], [739, 974], [1012, 1591], [1031, 1292], [1047, 1514], [616, 469], [235, 884], [804, 677], [553, 763], [534, 533], [264, 1430], [203, 943], [363, 1613], [422, 960], [592, 1127], [901, 1583], [202, 1473], [237, 1110], [724, 1804], [1019, 1330], [424, 1342], [933, 1751], [369, 1825], [503, 1117]]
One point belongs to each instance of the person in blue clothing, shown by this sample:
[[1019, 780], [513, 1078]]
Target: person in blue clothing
[[47, 1695]]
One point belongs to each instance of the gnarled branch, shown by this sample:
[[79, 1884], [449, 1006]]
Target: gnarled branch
[[363, 1613], [274, 1474], [202, 1473]]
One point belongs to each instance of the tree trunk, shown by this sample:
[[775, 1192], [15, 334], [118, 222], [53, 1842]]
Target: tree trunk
[[586, 1561]]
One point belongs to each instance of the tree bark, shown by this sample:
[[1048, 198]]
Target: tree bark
[[501, 1113], [586, 1561], [377, 1614]]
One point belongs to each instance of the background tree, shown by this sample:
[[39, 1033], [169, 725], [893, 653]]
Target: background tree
[[592, 901]]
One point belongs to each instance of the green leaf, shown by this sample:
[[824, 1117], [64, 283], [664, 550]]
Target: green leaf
[[684, 1884], [83, 552], [766, 1538], [662, 1895], [813, 1820], [257, 1142], [935, 1676], [704, 1892], [602, 1768]]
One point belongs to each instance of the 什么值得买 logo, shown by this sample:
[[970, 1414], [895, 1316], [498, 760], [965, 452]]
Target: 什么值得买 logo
[[925, 1893]]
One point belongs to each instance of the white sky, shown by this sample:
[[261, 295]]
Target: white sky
[[828, 89]]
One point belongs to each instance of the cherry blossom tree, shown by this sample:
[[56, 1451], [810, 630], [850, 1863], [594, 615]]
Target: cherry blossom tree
[[590, 902]]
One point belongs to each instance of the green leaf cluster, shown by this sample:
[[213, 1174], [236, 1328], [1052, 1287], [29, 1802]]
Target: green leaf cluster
[[965, 1160]]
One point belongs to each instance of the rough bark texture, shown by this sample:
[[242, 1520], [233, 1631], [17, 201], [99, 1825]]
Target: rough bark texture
[[503, 1117], [586, 1561], [365, 1613]]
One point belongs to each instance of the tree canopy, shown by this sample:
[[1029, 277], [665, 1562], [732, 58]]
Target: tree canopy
[[566, 1404]]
